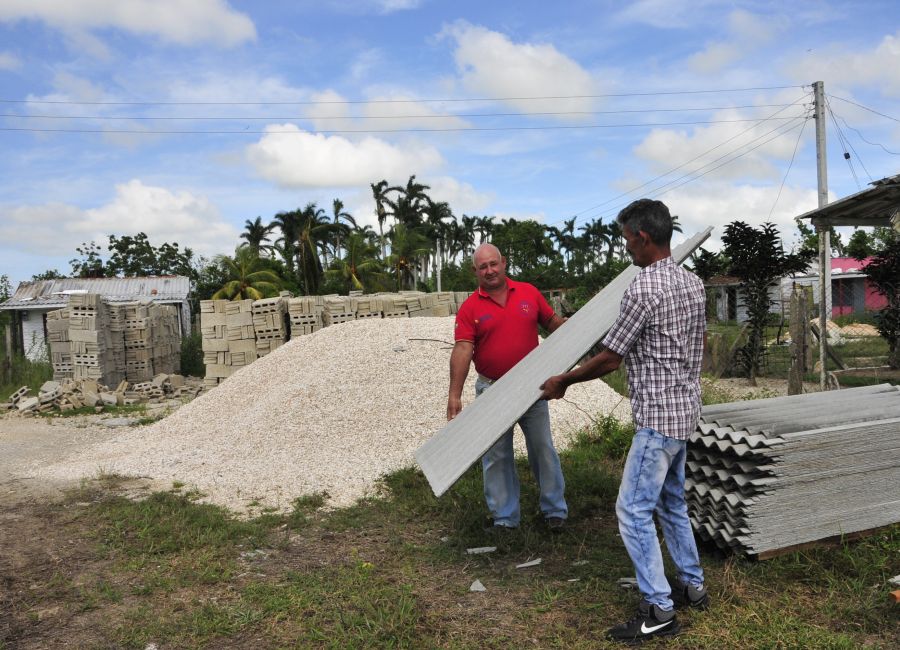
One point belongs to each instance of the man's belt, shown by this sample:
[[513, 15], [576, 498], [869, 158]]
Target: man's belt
[[486, 380]]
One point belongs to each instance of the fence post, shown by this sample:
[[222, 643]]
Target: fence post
[[798, 342]]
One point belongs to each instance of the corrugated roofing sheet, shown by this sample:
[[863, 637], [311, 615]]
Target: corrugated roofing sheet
[[765, 475], [50, 294]]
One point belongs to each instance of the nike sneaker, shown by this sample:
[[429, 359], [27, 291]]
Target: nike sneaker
[[649, 622], [687, 595]]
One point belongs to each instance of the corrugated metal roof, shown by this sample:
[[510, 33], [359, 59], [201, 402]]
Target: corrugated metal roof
[[876, 206], [51, 294]]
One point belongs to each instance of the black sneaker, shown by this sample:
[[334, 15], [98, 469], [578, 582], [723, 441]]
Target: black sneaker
[[649, 622], [555, 524], [687, 595]]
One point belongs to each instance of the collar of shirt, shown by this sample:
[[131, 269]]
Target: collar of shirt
[[510, 286]]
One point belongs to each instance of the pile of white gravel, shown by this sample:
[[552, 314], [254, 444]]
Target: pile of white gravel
[[328, 412]]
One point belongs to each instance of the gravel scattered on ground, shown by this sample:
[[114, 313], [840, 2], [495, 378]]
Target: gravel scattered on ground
[[329, 412]]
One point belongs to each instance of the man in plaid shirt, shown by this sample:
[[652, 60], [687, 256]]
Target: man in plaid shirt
[[660, 333]]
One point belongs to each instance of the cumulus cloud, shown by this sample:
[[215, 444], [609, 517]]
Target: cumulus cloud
[[746, 33], [725, 150], [855, 67], [293, 158], [176, 21], [9, 61], [662, 14], [491, 65], [54, 229], [719, 204]]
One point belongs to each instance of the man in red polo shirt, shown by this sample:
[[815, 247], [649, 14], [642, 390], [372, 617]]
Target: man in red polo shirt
[[497, 326]]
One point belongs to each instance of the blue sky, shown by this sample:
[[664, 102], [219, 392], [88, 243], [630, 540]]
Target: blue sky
[[516, 109]]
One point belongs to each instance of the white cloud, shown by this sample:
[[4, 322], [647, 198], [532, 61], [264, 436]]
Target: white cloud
[[291, 157], [462, 197], [390, 6], [746, 33], [176, 21], [735, 158], [878, 68], [9, 61], [718, 205], [491, 65], [165, 216], [663, 14]]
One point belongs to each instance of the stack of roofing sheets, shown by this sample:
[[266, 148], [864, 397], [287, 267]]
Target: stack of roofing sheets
[[766, 475]]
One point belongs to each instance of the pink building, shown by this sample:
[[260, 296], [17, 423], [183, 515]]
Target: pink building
[[851, 290]]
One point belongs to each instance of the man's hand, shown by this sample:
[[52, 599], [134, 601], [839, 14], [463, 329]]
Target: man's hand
[[553, 388], [454, 406]]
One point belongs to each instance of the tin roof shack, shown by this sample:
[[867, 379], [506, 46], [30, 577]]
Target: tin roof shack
[[32, 301]]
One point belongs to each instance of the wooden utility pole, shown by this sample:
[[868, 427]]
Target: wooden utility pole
[[822, 231]]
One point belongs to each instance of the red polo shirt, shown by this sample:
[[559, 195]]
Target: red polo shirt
[[502, 335]]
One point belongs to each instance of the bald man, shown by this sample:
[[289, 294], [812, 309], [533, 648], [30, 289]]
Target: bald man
[[496, 327]]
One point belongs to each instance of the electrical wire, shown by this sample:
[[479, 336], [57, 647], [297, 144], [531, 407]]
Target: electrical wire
[[674, 169], [395, 101], [863, 138], [790, 164], [871, 110], [247, 131]]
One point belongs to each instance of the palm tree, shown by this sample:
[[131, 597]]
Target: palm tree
[[313, 231], [360, 267], [379, 193], [339, 215], [286, 245], [407, 244], [255, 233], [247, 276]]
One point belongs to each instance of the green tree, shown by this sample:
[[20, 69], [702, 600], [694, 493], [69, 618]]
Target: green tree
[[360, 267], [884, 272], [90, 263], [255, 233], [379, 193], [49, 274], [246, 277], [809, 239], [757, 258], [708, 265]]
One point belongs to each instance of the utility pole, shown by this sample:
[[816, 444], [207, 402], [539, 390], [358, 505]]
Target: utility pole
[[438, 264], [821, 230]]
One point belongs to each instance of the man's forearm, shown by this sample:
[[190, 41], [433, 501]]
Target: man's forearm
[[460, 358], [597, 366]]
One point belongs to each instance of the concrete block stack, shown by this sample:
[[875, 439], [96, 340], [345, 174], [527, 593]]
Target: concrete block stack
[[240, 333], [165, 339], [446, 304], [421, 304], [214, 341], [338, 309], [305, 314], [459, 297], [138, 336], [117, 328], [368, 307], [270, 324], [90, 339], [394, 306], [58, 340]]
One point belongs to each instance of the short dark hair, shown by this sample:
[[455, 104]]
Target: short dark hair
[[650, 216]]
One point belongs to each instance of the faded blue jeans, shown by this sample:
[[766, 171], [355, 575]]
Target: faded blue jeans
[[501, 482], [653, 481]]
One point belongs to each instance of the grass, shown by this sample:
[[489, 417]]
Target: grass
[[392, 571], [26, 373]]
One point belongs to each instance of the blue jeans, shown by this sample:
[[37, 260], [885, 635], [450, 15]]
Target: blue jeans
[[653, 481], [501, 482]]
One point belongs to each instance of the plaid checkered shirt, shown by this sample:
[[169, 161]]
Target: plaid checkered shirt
[[659, 332]]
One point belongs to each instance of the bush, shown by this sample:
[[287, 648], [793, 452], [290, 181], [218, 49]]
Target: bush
[[192, 356]]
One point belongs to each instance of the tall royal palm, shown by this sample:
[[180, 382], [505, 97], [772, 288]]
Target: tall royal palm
[[341, 221], [313, 231], [379, 193], [286, 245], [255, 233], [360, 267]]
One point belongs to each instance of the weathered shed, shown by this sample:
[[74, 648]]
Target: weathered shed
[[33, 300]]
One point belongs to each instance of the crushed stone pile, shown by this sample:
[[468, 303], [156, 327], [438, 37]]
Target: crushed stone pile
[[329, 412]]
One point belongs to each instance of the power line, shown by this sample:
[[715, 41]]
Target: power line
[[239, 118], [788, 171], [674, 169], [248, 131], [845, 144], [393, 101], [871, 110], [863, 138]]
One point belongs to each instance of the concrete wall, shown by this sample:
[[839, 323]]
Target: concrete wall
[[33, 334]]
